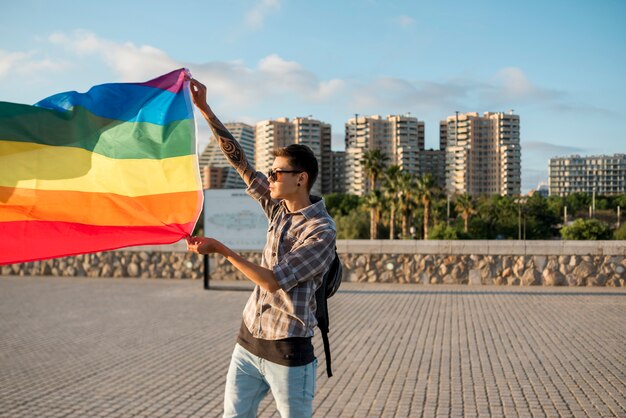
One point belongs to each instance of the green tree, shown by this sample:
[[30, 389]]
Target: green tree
[[373, 163], [497, 218], [425, 185], [541, 218], [577, 202], [353, 225], [407, 201], [586, 229], [391, 189], [341, 203], [620, 233], [465, 207], [374, 202], [442, 231]]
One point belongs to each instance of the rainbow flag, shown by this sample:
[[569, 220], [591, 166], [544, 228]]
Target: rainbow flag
[[96, 171]]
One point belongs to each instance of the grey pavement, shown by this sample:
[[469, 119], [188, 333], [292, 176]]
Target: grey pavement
[[74, 347]]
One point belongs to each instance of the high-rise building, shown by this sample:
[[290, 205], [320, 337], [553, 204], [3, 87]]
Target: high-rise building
[[273, 134], [216, 171], [433, 162], [602, 174], [483, 153], [399, 137], [338, 170]]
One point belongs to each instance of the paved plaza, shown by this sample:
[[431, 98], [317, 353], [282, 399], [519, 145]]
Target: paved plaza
[[73, 347]]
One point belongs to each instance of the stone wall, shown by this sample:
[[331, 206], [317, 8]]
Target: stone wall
[[171, 262], [551, 263]]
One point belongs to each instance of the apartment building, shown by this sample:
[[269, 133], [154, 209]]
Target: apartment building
[[602, 174], [399, 137], [338, 170], [276, 133], [215, 169], [483, 153]]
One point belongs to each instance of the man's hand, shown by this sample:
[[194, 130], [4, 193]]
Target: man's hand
[[202, 245], [198, 95]]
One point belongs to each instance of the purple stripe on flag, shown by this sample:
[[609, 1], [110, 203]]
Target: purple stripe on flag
[[173, 81]]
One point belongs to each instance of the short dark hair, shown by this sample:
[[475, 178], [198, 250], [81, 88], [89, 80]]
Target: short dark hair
[[300, 158]]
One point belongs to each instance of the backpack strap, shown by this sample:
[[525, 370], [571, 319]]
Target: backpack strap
[[323, 326], [329, 371]]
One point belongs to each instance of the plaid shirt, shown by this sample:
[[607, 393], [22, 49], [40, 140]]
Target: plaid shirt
[[299, 249]]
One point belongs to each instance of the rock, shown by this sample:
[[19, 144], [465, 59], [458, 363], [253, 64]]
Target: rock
[[540, 262], [447, 279], [553, 278], [531, 277], [519, 267], [575, 281], [443, 270], [457, 273], [386, 277], [475, 277], [597, 280], [133, 269], [583, 270], [513, 281]]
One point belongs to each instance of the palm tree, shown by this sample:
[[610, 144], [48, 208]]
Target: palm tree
[[391, 184], [373, 163], [425, 185], [406, 199], [374, 202], [465, 205]]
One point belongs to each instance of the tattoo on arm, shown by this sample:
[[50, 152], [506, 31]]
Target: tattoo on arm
[[231, 149]]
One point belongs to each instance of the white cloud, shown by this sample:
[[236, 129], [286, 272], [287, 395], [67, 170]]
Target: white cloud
[[27, 63], [404, 21], [129, 61], [255, 18], [233, 83], [512, 85]]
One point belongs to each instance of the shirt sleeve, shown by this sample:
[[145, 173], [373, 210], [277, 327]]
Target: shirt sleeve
[[259, 190], [307, 260]]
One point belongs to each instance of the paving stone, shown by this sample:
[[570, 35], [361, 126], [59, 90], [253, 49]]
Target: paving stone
[[140, 347]]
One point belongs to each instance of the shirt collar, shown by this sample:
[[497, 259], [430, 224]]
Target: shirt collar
[[313, 210]]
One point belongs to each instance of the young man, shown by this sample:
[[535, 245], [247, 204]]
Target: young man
[[274, 349]]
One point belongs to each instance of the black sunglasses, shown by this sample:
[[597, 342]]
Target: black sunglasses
[[273, 175]]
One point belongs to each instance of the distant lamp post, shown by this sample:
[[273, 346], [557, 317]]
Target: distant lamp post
[[520, 201]]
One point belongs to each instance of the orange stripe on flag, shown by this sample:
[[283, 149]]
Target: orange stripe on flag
[[103, 209]]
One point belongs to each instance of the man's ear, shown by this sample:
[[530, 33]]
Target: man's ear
[[304, 178]]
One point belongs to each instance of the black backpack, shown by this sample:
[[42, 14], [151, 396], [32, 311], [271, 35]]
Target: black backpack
[[329, 286]]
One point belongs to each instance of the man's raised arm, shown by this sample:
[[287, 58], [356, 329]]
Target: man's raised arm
[[229, 145]]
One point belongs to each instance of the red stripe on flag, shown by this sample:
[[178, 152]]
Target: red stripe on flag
[[23, 241]]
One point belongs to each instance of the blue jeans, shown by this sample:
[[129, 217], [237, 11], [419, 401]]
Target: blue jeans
[[250, 378]]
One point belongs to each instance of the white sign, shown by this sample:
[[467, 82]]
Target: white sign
[[235, 219]]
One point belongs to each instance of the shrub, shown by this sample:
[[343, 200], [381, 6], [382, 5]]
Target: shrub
[[586, 229], [620, 233], [442, 231]]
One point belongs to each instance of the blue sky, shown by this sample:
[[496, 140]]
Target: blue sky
[[561, 65]]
